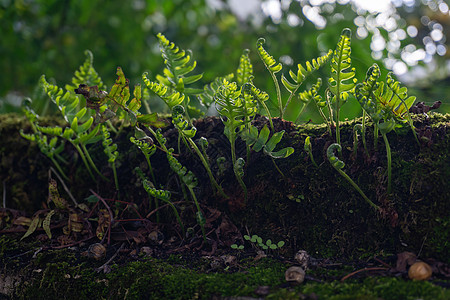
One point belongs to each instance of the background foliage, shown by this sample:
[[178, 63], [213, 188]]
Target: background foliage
[[49, 37]]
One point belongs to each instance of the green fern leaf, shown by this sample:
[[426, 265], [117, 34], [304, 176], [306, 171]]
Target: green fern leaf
[[67, 102], [186, 176], [268, 60], [207, 97], [312, 93], [86, 74], [342, 74], [244, 73], [178, 65], [303, 72], [164, 92]]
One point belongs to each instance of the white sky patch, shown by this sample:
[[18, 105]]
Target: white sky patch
[[374, 6]]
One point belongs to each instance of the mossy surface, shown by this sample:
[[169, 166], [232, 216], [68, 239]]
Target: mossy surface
[[64, 274]]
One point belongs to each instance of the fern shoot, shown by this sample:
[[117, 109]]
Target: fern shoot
[[342, 80], [386, 105], [273, 67], [233, 111], [187, 134], [339, 165]]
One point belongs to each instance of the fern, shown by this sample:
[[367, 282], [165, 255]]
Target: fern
[[342, 80], [164, 92], [189, 179], [111, 152], [273, 67], [86, 74], [260, 141], [207, 97], [386, 105], [233, 111], [148, 149], [79, 132], [339, 165], [178, 65], [301, 75], [311, 94], [244, 73], [187, 132]]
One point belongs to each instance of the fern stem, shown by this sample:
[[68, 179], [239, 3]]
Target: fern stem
[[289, 100], [363, 132], [197, 205], [277, 88], [207, 167], [233, 160], [59, 168], [86, 152], [389, 162], [116, 180], [268, 114], [301, 112], [147, 158], [376, 207], [375, 138], [84, 160]]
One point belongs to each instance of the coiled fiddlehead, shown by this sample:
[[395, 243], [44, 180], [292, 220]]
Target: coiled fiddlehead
[[339, 165]]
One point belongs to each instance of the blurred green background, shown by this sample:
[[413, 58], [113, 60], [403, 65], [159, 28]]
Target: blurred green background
[[49, 37]]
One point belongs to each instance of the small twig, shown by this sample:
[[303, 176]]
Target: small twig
[[363, 270], [382, 262], [165, 205], [111, 220], [64, 185]]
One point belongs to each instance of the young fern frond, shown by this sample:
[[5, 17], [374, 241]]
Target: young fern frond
[[308, 148], [162, 195], [178, 65], [244, 72], [400, 102], [79, 133], [148, 150], [189, 179], [233, 111], [342, 80], [207, 97], [301, 75], [111, 152], [187, 132], [261, 97], [273, 67], [311, 94], [339, 165], [164, 92], [86, 74], [387, 104]]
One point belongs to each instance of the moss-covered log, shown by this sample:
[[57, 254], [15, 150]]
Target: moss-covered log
[[308, 207]]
